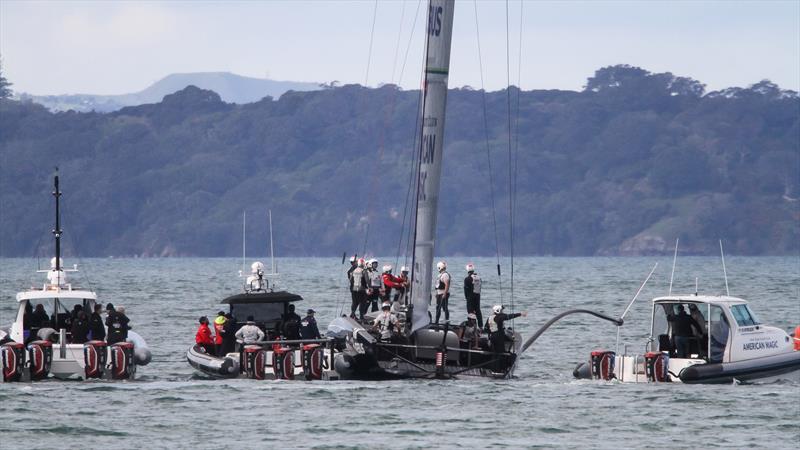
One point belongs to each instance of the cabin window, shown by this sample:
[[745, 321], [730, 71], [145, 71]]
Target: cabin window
[[265, 313], [744, 317]]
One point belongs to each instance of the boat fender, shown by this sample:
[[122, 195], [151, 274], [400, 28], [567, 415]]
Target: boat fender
[[656, 366], [602, 362], [141, 353], [41, 357], [312, 356], [255, 359], [122, 367], [13, 356], [283, 363], [94, 358]]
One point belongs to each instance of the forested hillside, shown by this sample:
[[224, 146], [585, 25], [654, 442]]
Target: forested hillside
[[624, 167]]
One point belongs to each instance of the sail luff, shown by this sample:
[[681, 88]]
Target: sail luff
[[437, 66]]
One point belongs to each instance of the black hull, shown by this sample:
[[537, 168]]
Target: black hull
[[752, 369]]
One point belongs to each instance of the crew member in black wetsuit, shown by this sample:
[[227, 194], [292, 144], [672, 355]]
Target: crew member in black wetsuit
[[353, 265], [117, 323], [290, 325], [497, 331], [38, 320], [228, 335], [308, 326], [96, 324], [472, 292], [682, 332], [80, 328]]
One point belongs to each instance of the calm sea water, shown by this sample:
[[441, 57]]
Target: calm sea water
[[171, 407]]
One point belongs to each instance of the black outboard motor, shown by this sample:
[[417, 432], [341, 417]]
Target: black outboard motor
[[312, 356], [122, 367], [94, 357], [255, 360], [41, 357], [602, 362], [656, 365], [283, 362], [13, 356]]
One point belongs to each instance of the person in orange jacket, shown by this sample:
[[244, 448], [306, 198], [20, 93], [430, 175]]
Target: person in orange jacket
[[203, 336], [390, 282]]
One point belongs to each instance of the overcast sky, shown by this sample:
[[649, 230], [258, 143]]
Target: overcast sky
[[119, 47]]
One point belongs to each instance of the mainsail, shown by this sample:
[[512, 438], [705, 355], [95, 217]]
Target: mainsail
[[437, 65]]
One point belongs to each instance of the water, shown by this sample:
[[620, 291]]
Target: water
[[169, 406]]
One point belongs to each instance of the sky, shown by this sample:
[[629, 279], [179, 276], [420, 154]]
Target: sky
[[117, 47]]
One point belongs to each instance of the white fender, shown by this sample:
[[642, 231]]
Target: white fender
[[141, 354]]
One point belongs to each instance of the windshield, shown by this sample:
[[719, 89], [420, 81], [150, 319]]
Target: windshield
[[265, 313], [744, 317]]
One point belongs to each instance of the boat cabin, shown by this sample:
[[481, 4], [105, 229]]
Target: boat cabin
[[715, 329], [48, 308], [267, 308]]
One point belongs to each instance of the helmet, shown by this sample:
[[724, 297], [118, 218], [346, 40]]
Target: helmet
[[353, 259], [373, 262], [219, 320], [256, 267], [497, 309], [470, 267], [387, 268], [386, 305], [441, 265], [404, 269], [360, 262]]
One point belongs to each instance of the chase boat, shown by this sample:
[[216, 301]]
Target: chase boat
[[35, 350], [273, 358], [732, 345]]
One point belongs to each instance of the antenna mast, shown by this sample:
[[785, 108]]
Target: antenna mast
[[271, 249], [57, 232], [724, 271], [244, 242], [674, 260]]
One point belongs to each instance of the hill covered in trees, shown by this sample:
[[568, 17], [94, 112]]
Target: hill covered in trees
[[625, 166]]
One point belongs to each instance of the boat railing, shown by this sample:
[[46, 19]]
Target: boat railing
[[288, 341]]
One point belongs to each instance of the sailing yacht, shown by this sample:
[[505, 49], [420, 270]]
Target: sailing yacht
[[423, 349]]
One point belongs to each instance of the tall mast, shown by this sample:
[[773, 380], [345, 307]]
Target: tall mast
[[437, 66], [57, 231]]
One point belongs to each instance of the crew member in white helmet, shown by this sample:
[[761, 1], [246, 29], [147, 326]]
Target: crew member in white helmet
[[472, 292], [399, 293], [359, 290], [386, 322], [442, 291], [375, 283], [390, 282]]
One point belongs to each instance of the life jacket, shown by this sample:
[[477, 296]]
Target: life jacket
[[385, 322], [203, 335], [358, 278], [441, 284], [476, 283], [375, 279]]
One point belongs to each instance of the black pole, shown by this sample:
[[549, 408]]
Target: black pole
[[57, 231]]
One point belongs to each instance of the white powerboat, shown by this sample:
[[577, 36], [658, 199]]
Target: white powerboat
[[40, 344], [729, 344]]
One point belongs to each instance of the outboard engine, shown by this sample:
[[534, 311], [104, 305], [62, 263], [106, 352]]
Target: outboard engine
[[656, 365], [122, 367], [283, 363], [13, 356], [255, 361], [41, 356], [602, 362], [312, 356], [94, 357]]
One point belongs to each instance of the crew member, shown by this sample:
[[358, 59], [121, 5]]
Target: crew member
[[96, 324], [701, 333], [308, 326], [219, 332], [442, 291], [682, 332], [400, 292], [117, 323], [229, 335], [375, 284], [38, 320], [250, 333], [390, 282], [359, 290], [353, 266], [386, 323], [80, 328], [472, 292], [470, 332], [203, 336], [290, 324], [496, 327]]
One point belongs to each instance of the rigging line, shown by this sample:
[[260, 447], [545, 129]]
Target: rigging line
[[488, 152], [366, 89], [408, 47], [399, 35], [510, 162]]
